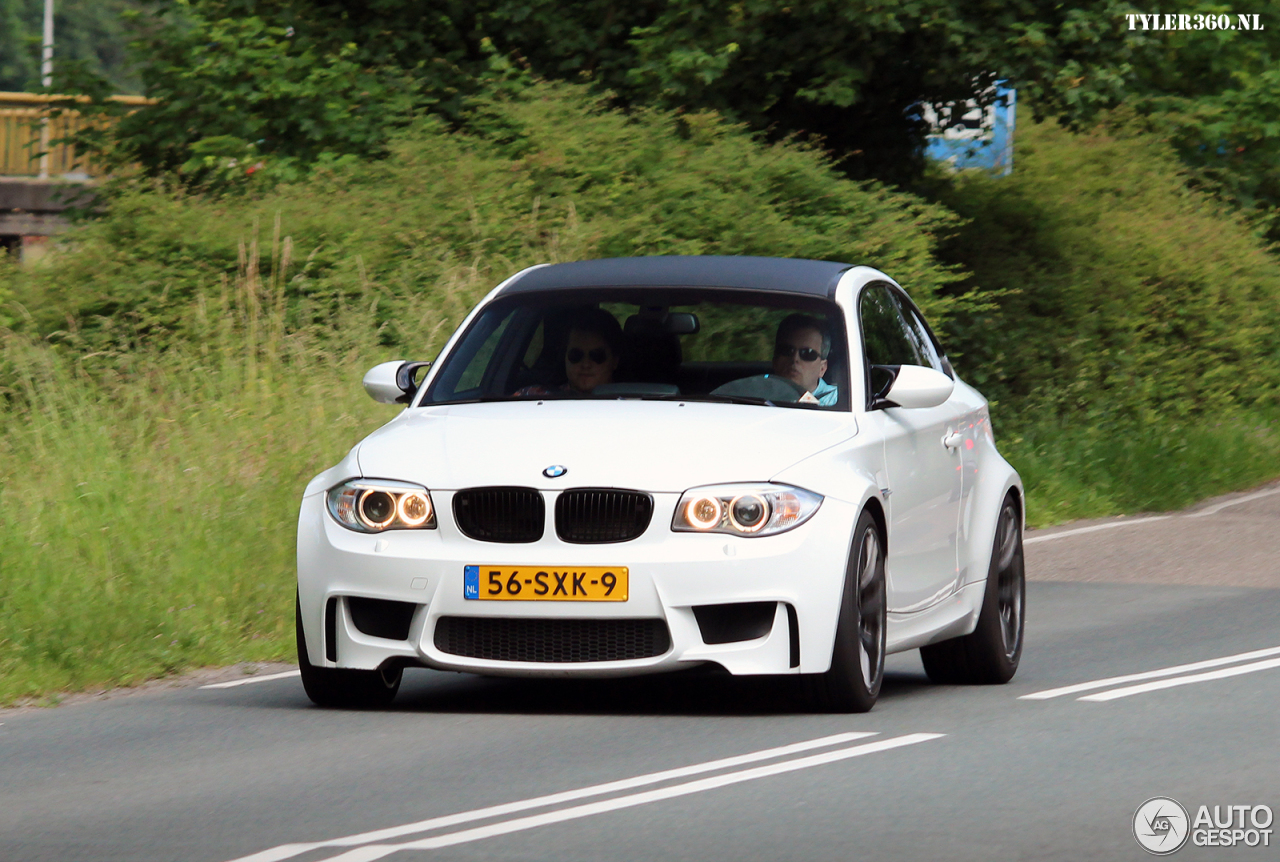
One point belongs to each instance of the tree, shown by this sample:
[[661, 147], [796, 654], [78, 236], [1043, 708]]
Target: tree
[[90, 32], [293, 78]]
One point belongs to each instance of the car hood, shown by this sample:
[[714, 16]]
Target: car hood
[[648, 445]]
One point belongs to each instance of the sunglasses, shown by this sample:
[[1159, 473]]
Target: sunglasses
[[807, 354], [598, 355]]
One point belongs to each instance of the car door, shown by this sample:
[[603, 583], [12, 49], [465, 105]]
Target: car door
[[922, 479]]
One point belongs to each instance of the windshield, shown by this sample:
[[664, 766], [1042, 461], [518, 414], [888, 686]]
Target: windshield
[[771, 349]]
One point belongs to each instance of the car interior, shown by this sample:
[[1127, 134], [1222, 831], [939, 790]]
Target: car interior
[[666, 351]]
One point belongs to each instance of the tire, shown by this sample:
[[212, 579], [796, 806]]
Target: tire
[[857, 657], [990, 655], [338, 687]]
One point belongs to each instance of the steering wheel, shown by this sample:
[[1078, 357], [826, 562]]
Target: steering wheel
[[768, 387]]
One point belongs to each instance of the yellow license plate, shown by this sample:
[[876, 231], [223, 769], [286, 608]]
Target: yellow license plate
[[545, 583]]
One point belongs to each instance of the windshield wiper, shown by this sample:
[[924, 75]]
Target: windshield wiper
[[707, 396]]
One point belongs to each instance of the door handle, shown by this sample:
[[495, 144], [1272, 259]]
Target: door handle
[[952, 440]]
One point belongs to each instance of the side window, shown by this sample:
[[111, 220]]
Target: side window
[[919, 335], [885, 337], [535, 346], [466, 367], [473, 374]]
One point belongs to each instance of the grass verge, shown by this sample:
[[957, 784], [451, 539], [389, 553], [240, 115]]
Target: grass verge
[[150, 501], [1078, 471]]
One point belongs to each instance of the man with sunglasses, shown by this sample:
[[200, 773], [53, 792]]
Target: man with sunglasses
[[800, 355]]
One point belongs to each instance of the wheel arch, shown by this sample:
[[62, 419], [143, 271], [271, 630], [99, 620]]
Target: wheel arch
[[873, 505], [815, 655], [988, 500]]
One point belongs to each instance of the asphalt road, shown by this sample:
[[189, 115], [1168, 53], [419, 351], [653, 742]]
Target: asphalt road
[[216, 774]]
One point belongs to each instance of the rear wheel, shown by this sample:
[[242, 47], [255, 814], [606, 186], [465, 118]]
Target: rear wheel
[[351, 689], [857, 658], [989, 655]]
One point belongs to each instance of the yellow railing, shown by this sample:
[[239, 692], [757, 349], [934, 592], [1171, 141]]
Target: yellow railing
[[20, 135]]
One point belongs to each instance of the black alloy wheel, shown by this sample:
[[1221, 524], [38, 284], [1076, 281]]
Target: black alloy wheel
[[990, 655], [857, 657], [1010, 581]]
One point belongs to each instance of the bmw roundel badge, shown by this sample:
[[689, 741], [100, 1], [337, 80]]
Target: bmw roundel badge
[[555, 471]]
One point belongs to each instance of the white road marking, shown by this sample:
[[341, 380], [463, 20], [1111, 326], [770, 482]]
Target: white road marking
[[1249, 498], [1150, 674], [249, 680], [1182, 680], [1095, 528], [287, 851], [379, 851], [1212, 510]]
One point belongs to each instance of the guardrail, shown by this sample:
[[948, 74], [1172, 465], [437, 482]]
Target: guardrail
[[20, 134]]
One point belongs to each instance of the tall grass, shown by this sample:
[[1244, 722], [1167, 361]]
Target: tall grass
[[1090, 471], [149, 502]]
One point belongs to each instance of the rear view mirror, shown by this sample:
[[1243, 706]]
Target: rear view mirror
[[393, 382], [681, 323], [915, 386]]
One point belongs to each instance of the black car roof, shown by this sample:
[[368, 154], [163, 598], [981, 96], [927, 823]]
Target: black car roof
[[808, 277]]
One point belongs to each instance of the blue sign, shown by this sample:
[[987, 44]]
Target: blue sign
[[471, 582], [965, 135]]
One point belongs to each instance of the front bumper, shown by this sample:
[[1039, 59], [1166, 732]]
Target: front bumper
[[670, 574]]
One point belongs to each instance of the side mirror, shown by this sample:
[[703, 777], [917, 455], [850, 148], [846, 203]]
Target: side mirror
[[917, 386], [393, 382]]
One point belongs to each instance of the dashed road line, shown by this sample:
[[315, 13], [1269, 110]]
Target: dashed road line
[[288, 851], [380, 851], [1150, 674], [1104, 696]]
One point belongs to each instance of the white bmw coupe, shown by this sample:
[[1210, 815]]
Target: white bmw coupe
[[639, 465]]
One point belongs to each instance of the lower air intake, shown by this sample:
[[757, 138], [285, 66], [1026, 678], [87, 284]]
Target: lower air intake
[[551, 641]]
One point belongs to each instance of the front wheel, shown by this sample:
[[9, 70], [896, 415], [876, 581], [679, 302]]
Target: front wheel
[[350, 689], [857, 658], [989, 655]]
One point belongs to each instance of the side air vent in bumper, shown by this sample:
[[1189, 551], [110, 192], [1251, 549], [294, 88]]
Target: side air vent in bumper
[[381, 618]]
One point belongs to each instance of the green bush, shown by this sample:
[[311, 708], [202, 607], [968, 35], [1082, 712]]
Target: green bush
[[1117, 295], [547, 176]]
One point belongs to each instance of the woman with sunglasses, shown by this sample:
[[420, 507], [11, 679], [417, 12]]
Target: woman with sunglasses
[[591, 354]]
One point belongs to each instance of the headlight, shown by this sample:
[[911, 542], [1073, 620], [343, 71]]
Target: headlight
[[374, 505], [744, 510]]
